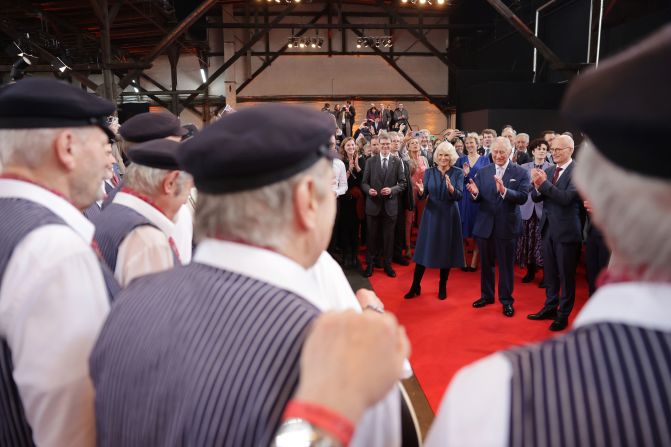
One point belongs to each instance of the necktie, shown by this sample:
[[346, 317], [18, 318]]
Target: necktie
[[556, 175], [499, 171], [384, 164]]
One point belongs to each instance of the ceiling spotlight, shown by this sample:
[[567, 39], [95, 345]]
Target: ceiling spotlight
[[441, 2], [404, 1], [422, 2], [320, 42], [301, 43], [18, 67]]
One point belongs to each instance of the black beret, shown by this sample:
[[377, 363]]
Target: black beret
[[256, 147], [47, 103], [150, 126], [160, 153], [624, 105]]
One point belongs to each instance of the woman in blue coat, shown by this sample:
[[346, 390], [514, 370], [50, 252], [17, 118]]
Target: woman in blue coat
[[439, 243]]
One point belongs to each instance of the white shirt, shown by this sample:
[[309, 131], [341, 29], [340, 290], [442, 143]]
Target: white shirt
[[53, 302], [325, 286], [146, 249], [340, 177], [183, 233], [563, 168], [475, 410]]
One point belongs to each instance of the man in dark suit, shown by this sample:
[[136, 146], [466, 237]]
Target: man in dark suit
[[500, 188], [382, 182], [561, 231], [406, 202]]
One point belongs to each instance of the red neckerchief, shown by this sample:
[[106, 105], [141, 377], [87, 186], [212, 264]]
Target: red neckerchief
[[144, 198], [39, 185]]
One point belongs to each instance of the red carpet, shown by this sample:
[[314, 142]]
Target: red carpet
[[447, 335]]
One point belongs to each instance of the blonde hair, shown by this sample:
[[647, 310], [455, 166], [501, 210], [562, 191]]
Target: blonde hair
[[446, 148]]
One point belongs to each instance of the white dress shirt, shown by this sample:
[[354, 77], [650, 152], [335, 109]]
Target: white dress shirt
[[183, 233], [340, 177], [146, 249], [475, 410], [326, 287], [53, 302], [563, 168]]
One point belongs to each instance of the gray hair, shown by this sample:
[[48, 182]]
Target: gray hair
[[260, 216], [504, 142], [147, 180], [28, 147], [524, 136], [636, 230], [446, 148]]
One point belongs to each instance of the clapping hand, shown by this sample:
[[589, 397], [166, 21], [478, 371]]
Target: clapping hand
[[448, 183], [386, 191], [499, 185], [372, 192], [472, 187], [466, 168], [420, 187], [538, 176]]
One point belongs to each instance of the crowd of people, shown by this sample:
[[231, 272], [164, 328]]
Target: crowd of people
[[114, 333], [463, 199]]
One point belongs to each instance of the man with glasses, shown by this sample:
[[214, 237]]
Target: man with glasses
[[383, 181], [561, 231]]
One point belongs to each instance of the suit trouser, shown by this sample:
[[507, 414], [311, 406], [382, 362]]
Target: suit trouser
[[399, 231], [382, 223], [560, 261], [597, 256], [502, 250]]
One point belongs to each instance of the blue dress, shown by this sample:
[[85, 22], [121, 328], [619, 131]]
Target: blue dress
[[467, 207], [439, 242]]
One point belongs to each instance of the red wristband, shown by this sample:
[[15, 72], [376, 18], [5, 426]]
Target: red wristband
[[322, 418]]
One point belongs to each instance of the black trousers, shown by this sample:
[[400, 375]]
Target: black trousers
[[597, 257], [560, 261], [502, 250], [399, 233], [348, 225], [380, 224]]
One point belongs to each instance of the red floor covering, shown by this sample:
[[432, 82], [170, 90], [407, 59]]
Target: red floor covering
[[447, 335]]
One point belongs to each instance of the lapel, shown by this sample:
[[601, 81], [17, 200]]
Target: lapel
[[565, 177]]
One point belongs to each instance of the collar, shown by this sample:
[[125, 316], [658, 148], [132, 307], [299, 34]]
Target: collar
[[151, 213], [56, 204], [643, 304], [566, 165], [258, 263], [503, 168]]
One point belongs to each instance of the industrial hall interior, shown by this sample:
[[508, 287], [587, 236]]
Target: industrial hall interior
[[329, 223]]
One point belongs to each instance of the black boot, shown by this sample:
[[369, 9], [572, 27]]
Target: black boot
[[531, 273], [442, 285], [416, 287]]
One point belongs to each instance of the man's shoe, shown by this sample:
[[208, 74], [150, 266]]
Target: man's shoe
[[400, 260], [482, 302], [543, 314], [389, 271], [369, 271], [558, 325], [508, 310]]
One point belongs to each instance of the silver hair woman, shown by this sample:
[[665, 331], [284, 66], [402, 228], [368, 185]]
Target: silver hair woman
[[634, 213]]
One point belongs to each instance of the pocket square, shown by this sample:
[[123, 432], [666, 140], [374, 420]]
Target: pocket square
[[512, 180]]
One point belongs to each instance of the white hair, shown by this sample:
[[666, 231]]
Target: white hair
[[148, 180], [633, 211], [446, 148], [261, 216], [525, 136], [28, 147], [504, 142]]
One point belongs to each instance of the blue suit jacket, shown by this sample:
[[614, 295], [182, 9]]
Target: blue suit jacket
[[561, 207], [498, 215]]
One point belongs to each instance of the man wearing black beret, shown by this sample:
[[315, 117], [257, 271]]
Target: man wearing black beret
[[215, 345], [135, 232], [53, 294]]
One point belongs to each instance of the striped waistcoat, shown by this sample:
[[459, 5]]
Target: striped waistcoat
[[20, 218], [113, 225], [604, 384], [197, 356]]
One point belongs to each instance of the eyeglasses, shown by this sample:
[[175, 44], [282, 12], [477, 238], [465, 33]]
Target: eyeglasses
[[557, 149]]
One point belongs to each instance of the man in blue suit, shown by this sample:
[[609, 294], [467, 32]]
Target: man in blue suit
[[500, 188], [561, 231]]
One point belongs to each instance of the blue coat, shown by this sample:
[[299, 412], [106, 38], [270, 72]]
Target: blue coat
[[440, 242], [499, 216]]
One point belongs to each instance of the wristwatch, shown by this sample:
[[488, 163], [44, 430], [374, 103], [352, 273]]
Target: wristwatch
[[296, 432]]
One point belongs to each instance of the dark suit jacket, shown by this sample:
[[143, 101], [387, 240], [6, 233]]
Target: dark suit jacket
[[561, 206], [523, 158], [407, 198], [496, 215], [374, 177]]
